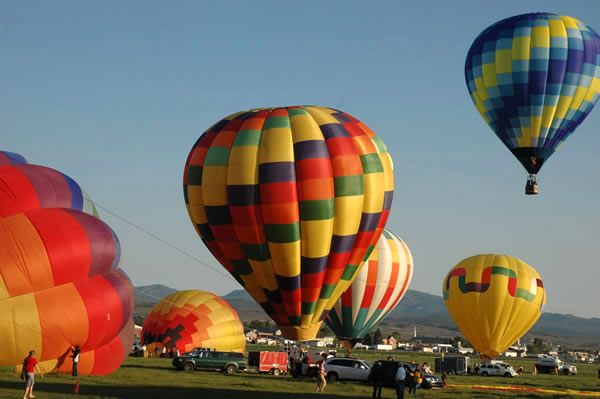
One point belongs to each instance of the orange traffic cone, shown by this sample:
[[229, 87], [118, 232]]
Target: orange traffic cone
[[76, 390]]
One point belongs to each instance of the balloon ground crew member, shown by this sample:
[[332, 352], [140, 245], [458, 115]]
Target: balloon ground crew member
[[377, 378], [400, 380], [30, 366], [75, 357]]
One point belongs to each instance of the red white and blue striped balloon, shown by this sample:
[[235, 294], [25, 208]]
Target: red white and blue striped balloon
[[378, 288]]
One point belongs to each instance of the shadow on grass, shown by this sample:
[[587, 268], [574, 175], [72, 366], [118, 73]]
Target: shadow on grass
[[167, 392]]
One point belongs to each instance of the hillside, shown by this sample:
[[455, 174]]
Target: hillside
[[418, 309]]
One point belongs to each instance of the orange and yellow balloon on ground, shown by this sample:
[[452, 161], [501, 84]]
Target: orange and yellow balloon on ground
[[194, 318], [494, 300], [291, 201]]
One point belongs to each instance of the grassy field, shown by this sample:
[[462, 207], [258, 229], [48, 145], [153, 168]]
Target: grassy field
[[157, 379]]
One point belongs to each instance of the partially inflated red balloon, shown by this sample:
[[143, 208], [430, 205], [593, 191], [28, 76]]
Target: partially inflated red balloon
[[59, 281]]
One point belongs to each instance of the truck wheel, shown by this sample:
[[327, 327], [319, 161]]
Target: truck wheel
[[276, 372], [230, 369], [189, 366], [451, 372], [484, 374], [507, 375]]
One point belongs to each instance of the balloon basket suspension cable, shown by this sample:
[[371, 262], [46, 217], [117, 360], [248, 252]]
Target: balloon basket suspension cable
[[531, 187]]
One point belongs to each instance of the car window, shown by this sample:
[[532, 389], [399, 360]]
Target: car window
[[497, 367], [336, 363]]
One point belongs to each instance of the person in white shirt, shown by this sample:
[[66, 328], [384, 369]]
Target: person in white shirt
[[75, 357], [400, 377]]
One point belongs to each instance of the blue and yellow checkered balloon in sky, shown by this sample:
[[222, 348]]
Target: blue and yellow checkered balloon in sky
[[534, 78]]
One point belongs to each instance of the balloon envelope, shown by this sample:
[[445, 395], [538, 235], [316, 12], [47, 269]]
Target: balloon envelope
[[32, 186], [194, 318], [375, 292], [290, 201], [59, 281], [494, 300], [534, 78]]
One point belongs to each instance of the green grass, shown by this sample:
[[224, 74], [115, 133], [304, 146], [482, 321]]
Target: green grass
[[157, 379]]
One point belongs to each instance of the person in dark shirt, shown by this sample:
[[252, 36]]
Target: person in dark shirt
[[377, 379]]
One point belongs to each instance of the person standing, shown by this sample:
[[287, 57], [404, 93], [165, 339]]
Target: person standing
[[30, 366], [321, 381], [399, 380], [417, 380], [75, 357], [534, 372], [377, 379], [157, 351]]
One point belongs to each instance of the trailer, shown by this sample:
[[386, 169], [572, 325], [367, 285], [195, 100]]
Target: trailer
[[275, 363], [452, 365]]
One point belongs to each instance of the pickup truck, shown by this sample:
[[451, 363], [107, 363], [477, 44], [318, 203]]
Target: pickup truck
[[229, 362]]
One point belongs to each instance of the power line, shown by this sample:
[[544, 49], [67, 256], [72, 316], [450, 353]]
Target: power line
[[165, 242]]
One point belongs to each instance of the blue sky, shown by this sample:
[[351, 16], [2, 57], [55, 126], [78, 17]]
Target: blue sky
[[116, 93]]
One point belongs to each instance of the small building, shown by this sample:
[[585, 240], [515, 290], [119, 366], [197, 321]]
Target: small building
[[391, 341]]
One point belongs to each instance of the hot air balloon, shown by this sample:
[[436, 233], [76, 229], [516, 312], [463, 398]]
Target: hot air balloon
[[378, 288], [291, 201], [194, 318], [33, 186], [59, 281], [11, 158], [494, 300], [534, 78]]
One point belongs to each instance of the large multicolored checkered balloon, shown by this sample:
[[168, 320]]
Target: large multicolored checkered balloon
[[494, 300], [291, 201], [378, 288], [534, 78], [59, 281], [194, 318]]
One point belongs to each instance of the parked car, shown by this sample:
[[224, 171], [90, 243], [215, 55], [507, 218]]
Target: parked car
[[229, 362], [496, 369], [342, 368], [430, 381], [567, 369]]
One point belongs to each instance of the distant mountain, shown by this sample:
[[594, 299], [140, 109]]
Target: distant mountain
[[425, 312], [151, 294]]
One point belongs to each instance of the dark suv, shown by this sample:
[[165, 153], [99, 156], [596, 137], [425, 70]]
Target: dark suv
[[229, 362], [389, 375]]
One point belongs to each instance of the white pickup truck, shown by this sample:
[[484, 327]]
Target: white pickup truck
[[550, 364]]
